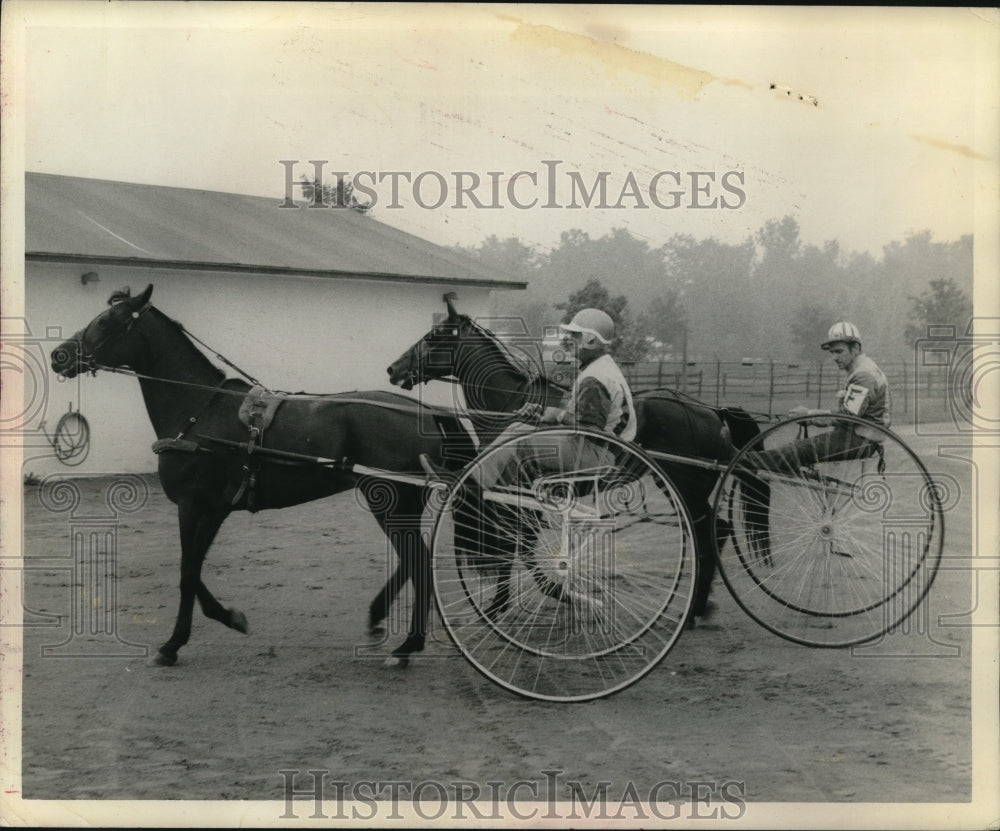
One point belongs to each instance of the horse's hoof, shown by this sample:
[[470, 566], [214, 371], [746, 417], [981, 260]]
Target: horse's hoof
[[162, 660], [238, 621], [399, 661]]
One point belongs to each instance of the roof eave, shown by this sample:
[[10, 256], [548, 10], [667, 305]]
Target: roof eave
[[278, 271]]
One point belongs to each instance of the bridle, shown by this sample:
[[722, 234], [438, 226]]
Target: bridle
[[418, 365], [88, 359], [415, 372]]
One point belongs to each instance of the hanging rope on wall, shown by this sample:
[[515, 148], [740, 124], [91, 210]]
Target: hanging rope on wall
[[71, 440]]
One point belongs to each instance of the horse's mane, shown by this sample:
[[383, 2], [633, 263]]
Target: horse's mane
[[125, 293], [519, 362]]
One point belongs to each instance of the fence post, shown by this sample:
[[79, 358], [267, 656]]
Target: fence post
[[770, 387], [718, 377], [659, 373], [819, 386], [684, 361]]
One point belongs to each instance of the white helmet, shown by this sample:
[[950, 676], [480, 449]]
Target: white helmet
[[842, 332], [592, 322]]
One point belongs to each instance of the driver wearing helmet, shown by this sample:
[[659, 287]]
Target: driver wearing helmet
[[599, 399], [865, 394]]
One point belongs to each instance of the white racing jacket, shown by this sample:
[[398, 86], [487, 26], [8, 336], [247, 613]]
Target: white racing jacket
[[620, 419], [866, 393]]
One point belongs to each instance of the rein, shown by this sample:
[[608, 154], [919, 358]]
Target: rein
[[218, 355], [94, 366], [386, 405], [92, 353], [131, 373]]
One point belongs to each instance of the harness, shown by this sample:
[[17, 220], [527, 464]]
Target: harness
[[258, 410], [256, 414]]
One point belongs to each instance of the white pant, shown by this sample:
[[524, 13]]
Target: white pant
[[550, 452]]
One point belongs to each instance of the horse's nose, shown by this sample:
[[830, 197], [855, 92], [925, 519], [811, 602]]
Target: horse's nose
[[63, 357], [398, 377]]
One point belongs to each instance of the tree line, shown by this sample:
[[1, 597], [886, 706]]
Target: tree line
[[770, 295]]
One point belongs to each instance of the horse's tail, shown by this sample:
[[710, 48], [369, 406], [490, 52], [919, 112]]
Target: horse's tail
[[741, 424]]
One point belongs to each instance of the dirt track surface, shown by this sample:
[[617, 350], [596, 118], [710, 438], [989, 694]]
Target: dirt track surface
[[304, 690]]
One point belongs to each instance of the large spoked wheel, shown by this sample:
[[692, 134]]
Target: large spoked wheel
[[829, 553], [563, 564]]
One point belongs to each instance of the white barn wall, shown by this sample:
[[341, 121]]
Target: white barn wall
[[292, 333]]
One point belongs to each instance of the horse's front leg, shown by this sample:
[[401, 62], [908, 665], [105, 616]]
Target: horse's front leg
[[198, 527], [414, 564], [399, 517]]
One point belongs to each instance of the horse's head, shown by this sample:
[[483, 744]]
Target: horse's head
[[109, 340], [437, 354]]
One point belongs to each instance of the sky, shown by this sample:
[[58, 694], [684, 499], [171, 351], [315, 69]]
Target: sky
[[865, 125]]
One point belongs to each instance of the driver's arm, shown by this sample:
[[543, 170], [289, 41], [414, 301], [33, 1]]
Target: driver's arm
[[593, 405]]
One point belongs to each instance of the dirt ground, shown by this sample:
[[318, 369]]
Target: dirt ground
[[751, 717]]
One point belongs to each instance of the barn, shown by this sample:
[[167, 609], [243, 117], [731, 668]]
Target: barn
[[303, 299]]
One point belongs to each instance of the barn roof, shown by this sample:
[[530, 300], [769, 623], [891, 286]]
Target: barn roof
[[71, 219]]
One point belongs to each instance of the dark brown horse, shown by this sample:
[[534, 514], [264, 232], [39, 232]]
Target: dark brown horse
[[495, 382], [211, 463]]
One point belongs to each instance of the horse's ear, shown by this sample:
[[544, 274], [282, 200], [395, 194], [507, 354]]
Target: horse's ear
[[118, 295], [143, 298], [449, 300]]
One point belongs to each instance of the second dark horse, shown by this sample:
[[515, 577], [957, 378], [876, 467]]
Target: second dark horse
[[495, 382]]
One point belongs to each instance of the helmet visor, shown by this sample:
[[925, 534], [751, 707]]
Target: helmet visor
[[573, 327]]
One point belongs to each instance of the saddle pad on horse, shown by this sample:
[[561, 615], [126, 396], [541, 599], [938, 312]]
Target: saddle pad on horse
[[258, 408]]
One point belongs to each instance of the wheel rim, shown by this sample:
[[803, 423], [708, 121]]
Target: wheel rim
[[577, 596], [845, 553]]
